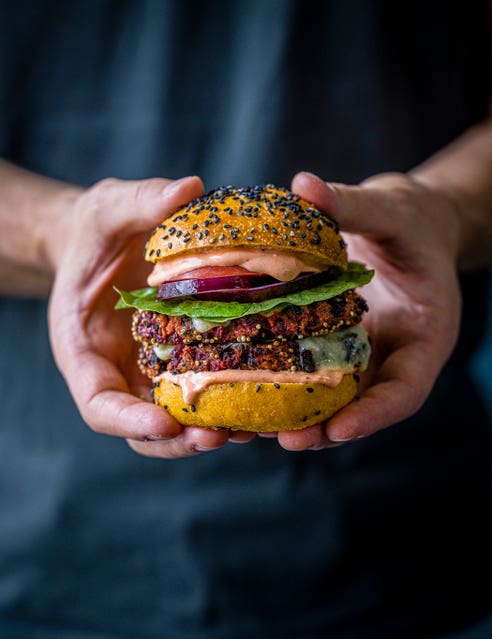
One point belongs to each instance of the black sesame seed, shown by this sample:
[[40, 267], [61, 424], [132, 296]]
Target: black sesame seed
[[186, 239], [309, 389], [277, 386], [158, 252], [193, 408]]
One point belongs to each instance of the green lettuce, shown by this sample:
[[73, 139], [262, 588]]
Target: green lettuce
[[144, 299]]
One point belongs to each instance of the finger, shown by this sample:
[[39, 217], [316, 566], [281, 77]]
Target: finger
[[192, 441], [127, 207], [103, 398], [357, 209], [311, 438], [301, 439], [400, 388], [241, 436]]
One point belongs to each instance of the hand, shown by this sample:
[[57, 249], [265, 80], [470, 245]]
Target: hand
[[409, 234], [92, 342]]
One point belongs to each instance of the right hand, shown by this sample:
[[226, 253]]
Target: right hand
[[103, 247]]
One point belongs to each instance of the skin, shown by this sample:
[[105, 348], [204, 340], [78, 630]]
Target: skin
[[416, 230]]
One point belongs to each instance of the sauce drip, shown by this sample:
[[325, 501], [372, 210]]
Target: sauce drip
[[278, 264], [192, 384]]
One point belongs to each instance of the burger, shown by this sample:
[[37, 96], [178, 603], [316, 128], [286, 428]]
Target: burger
[[250, 320]]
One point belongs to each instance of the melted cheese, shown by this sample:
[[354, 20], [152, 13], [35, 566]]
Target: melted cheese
[[346, 350]]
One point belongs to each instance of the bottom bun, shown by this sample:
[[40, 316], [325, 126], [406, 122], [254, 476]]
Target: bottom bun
[[257, 407]]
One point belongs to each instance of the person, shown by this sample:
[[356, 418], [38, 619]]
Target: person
[[385, 536]]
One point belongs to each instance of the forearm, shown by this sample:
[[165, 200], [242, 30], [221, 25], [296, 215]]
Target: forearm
[[34, 222], [463, 171]]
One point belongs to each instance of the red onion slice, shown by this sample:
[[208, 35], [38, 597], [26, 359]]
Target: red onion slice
[[240, 288], [198, 287]]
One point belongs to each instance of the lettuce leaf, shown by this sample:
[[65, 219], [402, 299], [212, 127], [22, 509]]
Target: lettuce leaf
[[144, 299]]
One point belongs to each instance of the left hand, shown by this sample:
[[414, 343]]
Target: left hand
[[92, 343], [409, 234]]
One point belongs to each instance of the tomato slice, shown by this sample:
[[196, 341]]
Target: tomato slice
[[206, 272]]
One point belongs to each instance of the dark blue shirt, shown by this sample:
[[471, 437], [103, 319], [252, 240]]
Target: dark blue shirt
[[388, 537]]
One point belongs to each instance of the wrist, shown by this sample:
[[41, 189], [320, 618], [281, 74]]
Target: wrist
[[445, 206], [35, 214], [464, 219], [56, 219], [462, 172]]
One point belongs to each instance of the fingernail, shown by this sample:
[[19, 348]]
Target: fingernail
[[341, 440], [201, 449], [155, 438], [313, 175]]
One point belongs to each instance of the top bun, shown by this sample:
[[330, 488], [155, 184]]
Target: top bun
[[265, 217]]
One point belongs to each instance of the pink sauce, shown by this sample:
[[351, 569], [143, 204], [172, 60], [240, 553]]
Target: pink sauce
[[278, 264], [192, 384]]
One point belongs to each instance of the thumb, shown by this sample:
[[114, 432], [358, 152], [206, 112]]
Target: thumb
[[127, 207], [356, 209]]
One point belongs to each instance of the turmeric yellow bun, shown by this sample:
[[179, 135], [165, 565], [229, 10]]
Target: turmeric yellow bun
[[266, 217], [257, 407]]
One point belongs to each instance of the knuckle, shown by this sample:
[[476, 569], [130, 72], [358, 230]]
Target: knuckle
[[142, 190], [145, 189], [101, 190]]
